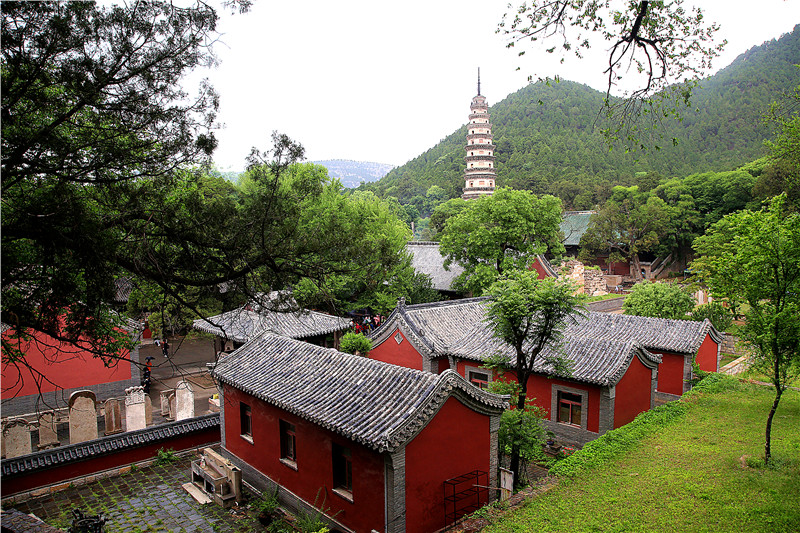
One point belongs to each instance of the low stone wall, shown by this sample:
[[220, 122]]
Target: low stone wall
[[64, 463], [730, 344]]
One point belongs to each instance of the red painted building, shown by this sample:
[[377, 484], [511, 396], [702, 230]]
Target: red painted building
[[54, 369], [621, 364], [371, 444], [611, 381]]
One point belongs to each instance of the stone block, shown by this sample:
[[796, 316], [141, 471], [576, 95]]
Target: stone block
[[134, 408], [17, 438], [82, 416]]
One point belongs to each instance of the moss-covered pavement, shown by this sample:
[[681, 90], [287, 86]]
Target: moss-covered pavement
[[143, 500]]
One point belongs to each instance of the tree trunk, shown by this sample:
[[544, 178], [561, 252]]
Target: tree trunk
[[522, 377], [636, 266], [767, 451]]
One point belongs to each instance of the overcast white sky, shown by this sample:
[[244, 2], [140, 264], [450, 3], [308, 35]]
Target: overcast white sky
[[385, 81]]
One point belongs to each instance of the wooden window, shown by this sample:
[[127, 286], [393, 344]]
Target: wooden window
[[479, 379], [342, 470], [246, 420], [569, 408], [288, 442]]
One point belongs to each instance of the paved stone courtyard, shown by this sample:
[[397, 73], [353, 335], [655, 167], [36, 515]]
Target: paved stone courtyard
[[146, 499]]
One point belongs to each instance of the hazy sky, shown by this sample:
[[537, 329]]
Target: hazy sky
[[385, 81]]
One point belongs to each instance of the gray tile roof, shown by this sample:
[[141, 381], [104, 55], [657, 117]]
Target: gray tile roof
[[243, 324], [677, 336], [376, 404], [427, 259], [112, 444], [574, 224], [598, 344]]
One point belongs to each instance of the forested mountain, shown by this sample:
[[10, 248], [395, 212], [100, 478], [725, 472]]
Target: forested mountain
[[546, 140], [352, 173]]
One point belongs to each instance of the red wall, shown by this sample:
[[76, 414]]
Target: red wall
[[707, 355], [537, 266], [619, 269], [540, 390], [455, 442], [632, 393], [65, 365], [402, 354], [314, 474], [100, 463], [670, 373], [444, 364]]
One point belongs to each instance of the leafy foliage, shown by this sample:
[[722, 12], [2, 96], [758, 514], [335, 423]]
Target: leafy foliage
[[629, 223], [719, 315], [496, 233], [355, 343], [754, 257], [660, 44], [521, 430], [658, 299]]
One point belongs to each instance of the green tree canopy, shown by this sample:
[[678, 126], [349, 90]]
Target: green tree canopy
[[500, 232], [754, 257], [658, 299], [629, 223]]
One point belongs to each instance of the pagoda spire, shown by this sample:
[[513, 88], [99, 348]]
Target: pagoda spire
[[479, 176]]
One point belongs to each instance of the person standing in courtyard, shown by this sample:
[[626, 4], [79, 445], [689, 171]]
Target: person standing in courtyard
[[165, 347]]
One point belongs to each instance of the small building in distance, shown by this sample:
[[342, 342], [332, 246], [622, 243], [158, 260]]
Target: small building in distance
[[234, 328], [426, 258], [373, 445]]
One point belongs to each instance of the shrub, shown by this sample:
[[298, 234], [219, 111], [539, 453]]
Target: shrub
[[355, 342], [718, 314], [660, 300], [165, 457]]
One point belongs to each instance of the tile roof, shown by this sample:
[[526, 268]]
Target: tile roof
[[243, 324], [677, 336], [596, 343], [574, 224], [427, 259], [105, 445], [376, 404]]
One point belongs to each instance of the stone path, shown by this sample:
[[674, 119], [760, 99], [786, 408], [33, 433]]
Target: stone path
[[147, 499]]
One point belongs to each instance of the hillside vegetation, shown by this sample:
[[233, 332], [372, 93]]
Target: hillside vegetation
[[547, 141], [692, 465]]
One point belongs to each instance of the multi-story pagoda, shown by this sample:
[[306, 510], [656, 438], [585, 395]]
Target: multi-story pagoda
[[479, 175]]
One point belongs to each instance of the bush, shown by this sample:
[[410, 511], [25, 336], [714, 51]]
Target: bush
[[659, 300], [719, 315], [355, 342]]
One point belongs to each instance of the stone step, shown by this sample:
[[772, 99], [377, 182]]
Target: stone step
[[196, 493]]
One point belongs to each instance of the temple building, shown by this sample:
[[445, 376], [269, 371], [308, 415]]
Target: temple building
[[479, 176]]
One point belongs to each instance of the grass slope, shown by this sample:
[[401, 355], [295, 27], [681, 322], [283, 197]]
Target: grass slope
[[681, 470]]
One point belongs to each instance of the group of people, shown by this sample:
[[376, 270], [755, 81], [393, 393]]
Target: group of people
[[367, 324], [164, 346], [148, 367]]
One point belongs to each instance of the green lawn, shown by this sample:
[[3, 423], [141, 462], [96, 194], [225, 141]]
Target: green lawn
[[686, 474]]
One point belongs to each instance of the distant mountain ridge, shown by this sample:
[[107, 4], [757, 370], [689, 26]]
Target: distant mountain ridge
[[353, 173], [545, 140]]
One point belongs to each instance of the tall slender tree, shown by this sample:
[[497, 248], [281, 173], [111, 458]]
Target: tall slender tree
[[754, 257], [530, 315]]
